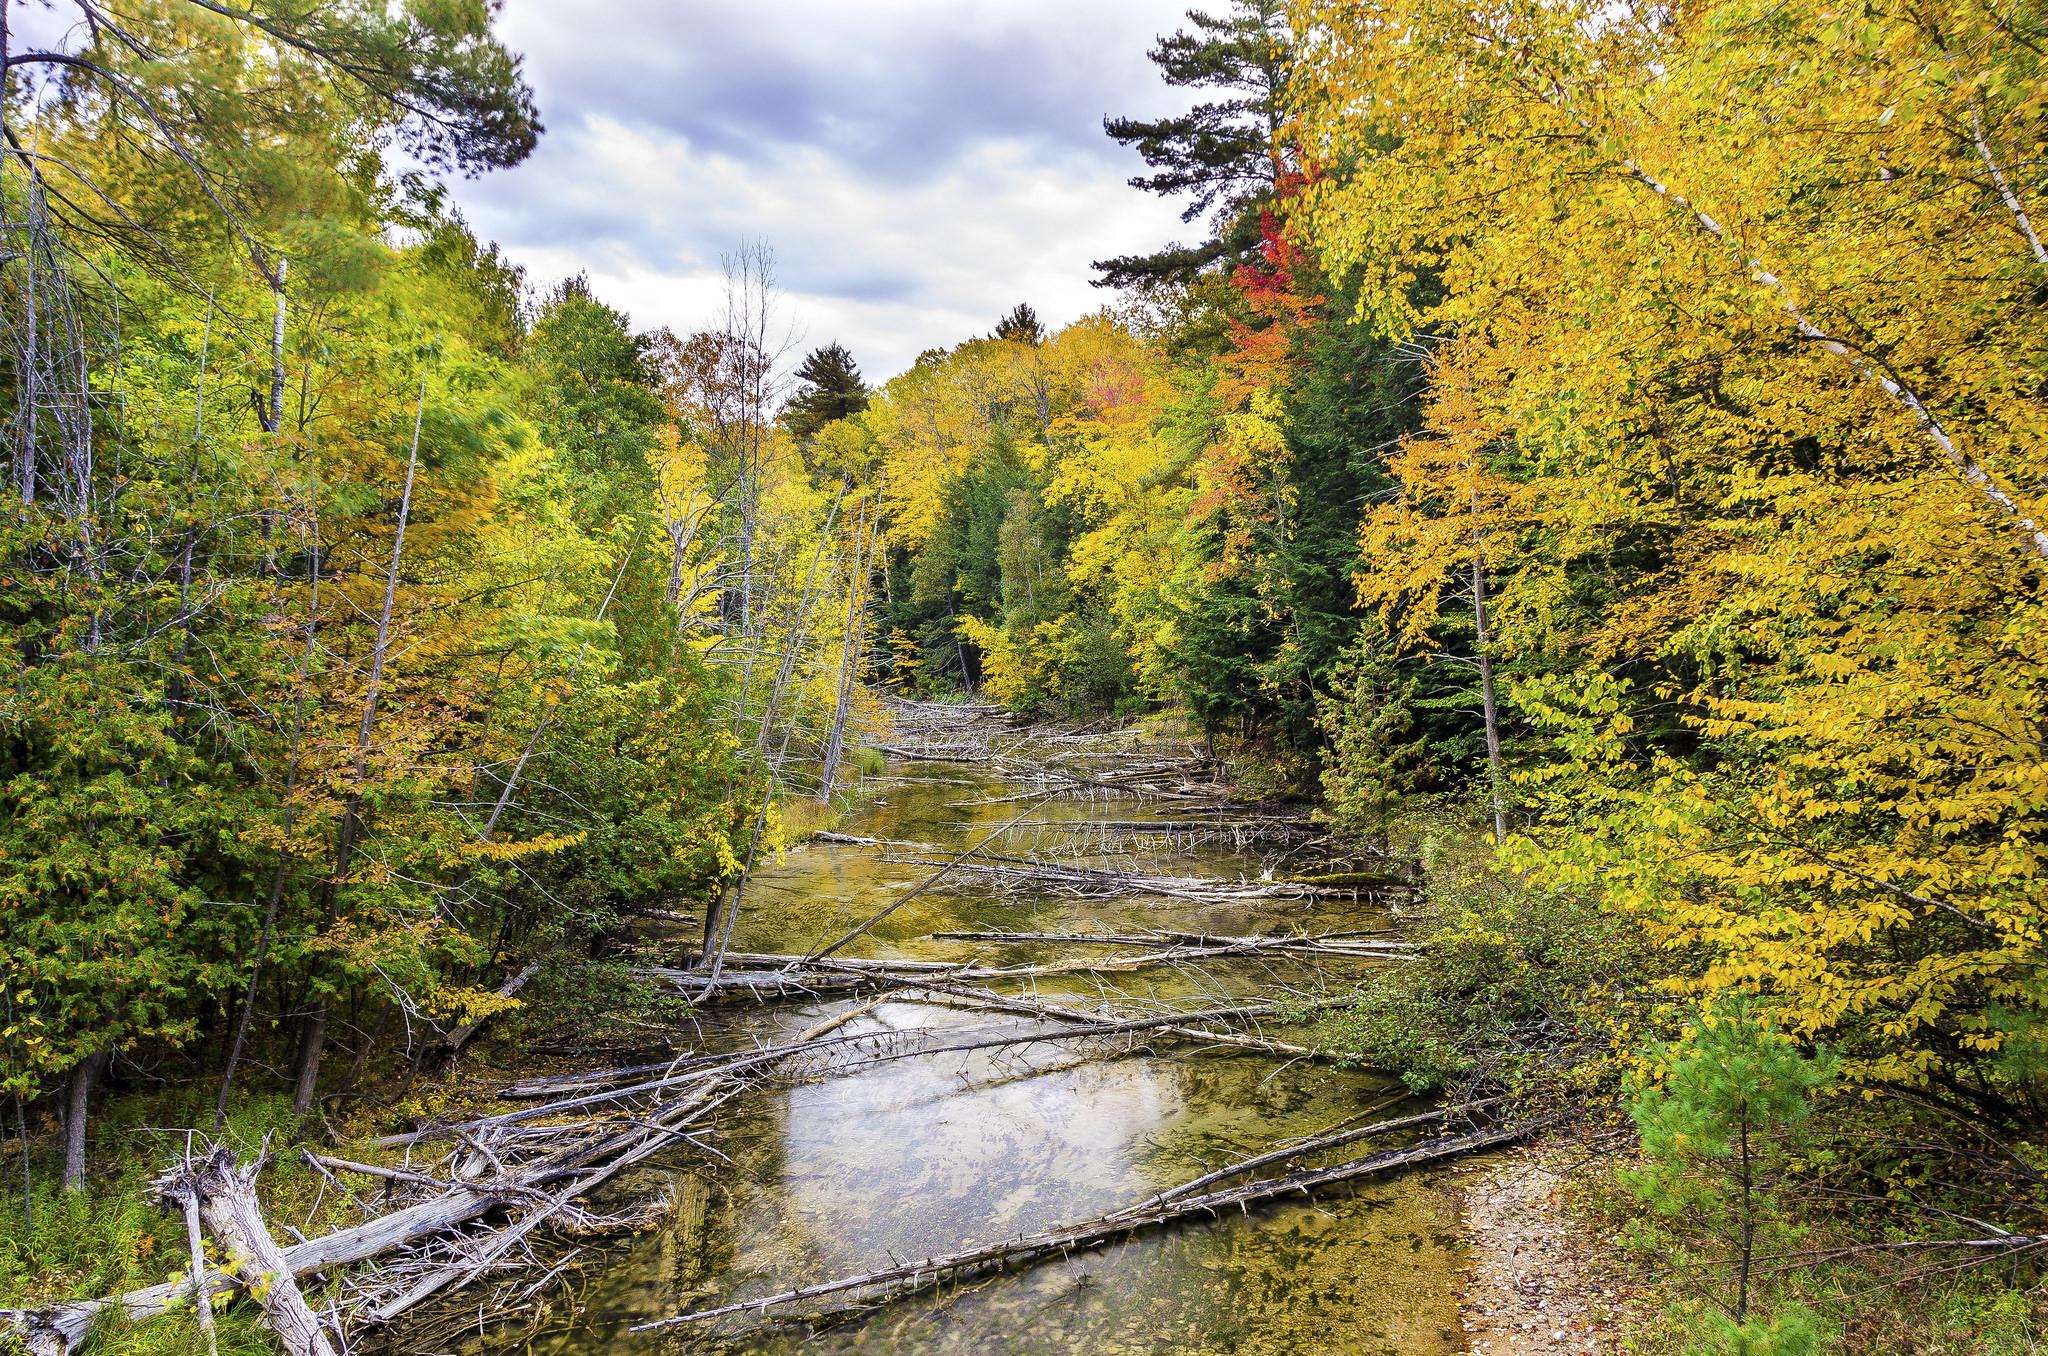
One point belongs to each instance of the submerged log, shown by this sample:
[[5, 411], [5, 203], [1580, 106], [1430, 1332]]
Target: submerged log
[[1322, 944], [1096, 883], [762, 976], [892, 1282]]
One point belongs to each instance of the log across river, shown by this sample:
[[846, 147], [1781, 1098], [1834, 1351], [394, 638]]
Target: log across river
[[864, 1169]]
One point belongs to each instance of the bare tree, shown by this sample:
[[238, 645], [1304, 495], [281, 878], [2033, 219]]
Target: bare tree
[[861, 567]]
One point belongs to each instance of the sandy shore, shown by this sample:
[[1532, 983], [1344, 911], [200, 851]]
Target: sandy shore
[[1536, 1284]]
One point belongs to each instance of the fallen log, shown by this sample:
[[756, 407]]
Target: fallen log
[[458, 1037], [1025, 1007], [1094, 883], [60, 1328], [1325, 943], [1248, 827], [556, 1084], [893, 1282], [222, 1193], [908, 754], [855, 840], [761, 975], [1336, 1139], [225, 1192]]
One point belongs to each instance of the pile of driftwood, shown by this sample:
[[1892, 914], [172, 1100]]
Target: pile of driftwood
[[1195, 827], [1091, 761], [943, 732], [767, 975]]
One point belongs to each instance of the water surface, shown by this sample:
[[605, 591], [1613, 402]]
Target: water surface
[[906, 1159]]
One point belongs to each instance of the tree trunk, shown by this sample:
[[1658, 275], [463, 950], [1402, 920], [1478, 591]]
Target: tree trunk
[[273, 412], [85, 1080], [306, 1073], [849, 659], [226, 1196], [1494, 775]]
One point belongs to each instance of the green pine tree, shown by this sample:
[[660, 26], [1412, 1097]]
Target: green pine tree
[[1225, 153], [829, 387], [1720, 1135]]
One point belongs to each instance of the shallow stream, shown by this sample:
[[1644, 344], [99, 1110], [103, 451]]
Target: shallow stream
[[928, 1155]]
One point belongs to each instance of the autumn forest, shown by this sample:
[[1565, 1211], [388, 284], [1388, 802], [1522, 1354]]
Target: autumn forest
[[1526, 627]]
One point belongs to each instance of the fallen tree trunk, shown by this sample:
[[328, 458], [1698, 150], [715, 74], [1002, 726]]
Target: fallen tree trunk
[[225, 1192], [762, 976], [61, 1328], [1025, 1007], [895, 1281], [1321, 944], [459, 1037], [1094, 883], [1336, 1139]]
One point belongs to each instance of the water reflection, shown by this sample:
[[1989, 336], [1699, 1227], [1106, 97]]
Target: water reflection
[[916, 1157]]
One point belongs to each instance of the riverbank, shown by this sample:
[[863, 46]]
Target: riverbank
[[1539, 1283]]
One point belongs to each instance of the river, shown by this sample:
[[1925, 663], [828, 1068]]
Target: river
[[921, 1156]]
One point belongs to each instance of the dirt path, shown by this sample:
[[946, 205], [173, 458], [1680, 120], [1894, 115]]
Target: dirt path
[[1537, 1286]]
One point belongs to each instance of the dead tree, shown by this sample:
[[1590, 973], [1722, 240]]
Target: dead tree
[[223, 1193], [852, 641]]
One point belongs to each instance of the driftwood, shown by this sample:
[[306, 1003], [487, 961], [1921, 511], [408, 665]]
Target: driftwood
[[1335, 1139], [846, 1054], [187, 1201], [761, 976], [1181, 1027], [1083, 882], [855, 840], [60, 1328], [1318, 944], [1249, 825], [224, 1195], [898, 1280], [556, 1085]]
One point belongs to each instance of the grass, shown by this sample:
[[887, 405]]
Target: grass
[[106, 1238]]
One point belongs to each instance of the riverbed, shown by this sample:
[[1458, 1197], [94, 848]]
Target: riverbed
[[850, 1171]]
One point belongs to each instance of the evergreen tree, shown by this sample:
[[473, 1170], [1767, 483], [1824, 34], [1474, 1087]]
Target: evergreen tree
[[829, 387], [1225, 153], [1721, 1136], [1021, 324]]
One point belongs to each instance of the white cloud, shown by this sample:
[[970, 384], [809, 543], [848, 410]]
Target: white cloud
[[918, 167]]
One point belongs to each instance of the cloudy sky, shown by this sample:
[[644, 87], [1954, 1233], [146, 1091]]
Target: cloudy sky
[[917, 166]]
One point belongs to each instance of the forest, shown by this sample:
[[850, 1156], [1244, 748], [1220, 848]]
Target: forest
[[1585, 470]]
